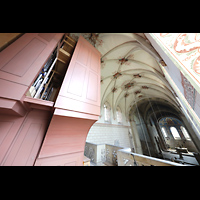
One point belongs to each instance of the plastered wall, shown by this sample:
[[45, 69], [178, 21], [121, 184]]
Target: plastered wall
[[109, 134]]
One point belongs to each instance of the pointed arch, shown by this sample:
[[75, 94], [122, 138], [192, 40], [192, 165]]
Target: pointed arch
[[107, 112], [119, 115]]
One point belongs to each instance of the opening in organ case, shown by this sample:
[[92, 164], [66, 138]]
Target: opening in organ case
[[48, 82]]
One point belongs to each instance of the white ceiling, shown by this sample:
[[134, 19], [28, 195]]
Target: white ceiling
[[129, 70]]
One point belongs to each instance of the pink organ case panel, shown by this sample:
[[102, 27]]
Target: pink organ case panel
[[77, 107], [47, 36], [65, 141], [21, 138], [21, 61], [75, 159], [80, 90], [9, 125]]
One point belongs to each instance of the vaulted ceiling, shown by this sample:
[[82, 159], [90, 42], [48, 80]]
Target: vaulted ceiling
[[130, 70]]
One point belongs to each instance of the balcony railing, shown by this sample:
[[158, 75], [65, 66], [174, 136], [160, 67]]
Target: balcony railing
[[111, 155], [127, 158], [102, 153], [96, 152]]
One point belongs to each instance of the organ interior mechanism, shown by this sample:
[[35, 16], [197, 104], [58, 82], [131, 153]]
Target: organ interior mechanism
[[48, 82]]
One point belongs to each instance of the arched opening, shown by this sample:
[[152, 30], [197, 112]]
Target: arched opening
[[175, 133], [160, 128], [185, 133], [133, 80], [164, 132], [107, 110], [119, 115]]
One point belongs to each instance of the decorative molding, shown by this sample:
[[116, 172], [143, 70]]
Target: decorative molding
[[109, 125], [189, 91]]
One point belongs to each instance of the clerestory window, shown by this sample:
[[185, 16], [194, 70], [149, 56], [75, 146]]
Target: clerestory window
[[119, 115], [175, 133], [185, 133], [164, 132], [106, 112]]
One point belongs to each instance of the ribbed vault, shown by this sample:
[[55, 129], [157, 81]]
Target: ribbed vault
[[130, 70]]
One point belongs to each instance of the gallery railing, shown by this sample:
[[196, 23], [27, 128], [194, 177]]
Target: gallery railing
[[128, 158], [96, 152], [112, 155], [102, 153]]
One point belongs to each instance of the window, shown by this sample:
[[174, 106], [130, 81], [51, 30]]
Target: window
[[107, 112], [119, 115], [175, 133], [185, 133], [164, 132]]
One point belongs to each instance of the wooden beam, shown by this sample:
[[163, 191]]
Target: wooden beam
[[57, 73], [64, 52], [62, 61], [69, 44], [70, 39]]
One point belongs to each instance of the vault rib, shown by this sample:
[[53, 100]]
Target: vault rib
[[105, 92]]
